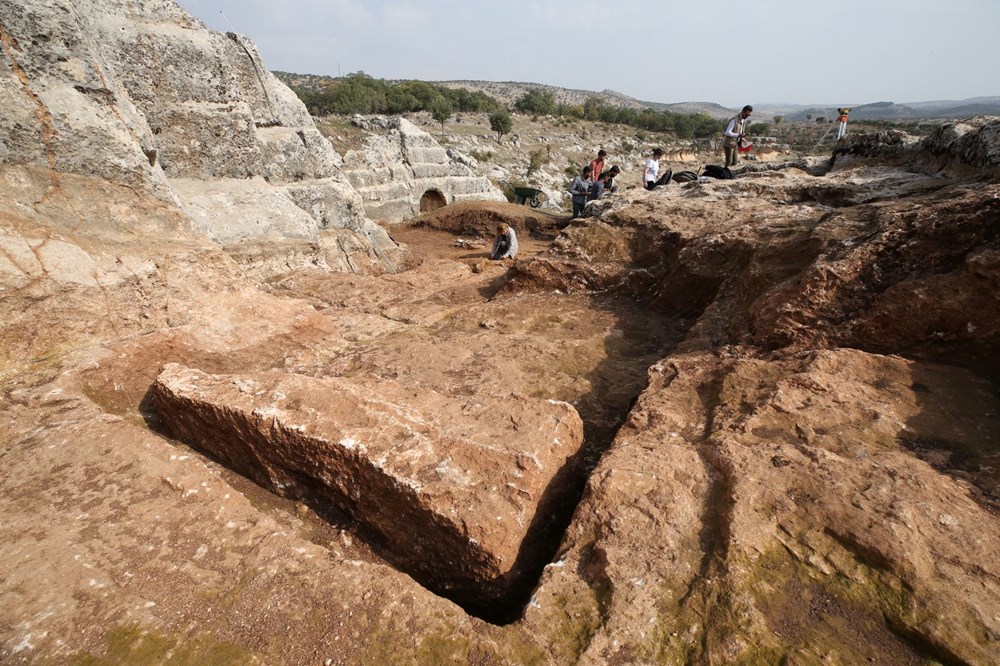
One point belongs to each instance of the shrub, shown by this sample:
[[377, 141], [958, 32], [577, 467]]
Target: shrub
[[537, 158], [501, 123]]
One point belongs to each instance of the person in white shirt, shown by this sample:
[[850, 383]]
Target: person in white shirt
[[649, 174], [735, 132]]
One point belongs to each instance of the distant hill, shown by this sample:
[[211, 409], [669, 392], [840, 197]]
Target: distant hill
[[944, 109], [313, 82], [508, 92]]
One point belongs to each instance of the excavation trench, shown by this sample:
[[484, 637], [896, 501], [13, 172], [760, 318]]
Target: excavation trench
[[441, 329]]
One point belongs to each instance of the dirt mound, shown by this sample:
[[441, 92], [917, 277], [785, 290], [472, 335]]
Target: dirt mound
[[480, 218]]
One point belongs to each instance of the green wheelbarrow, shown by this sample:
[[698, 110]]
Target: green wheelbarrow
[[525, 195]]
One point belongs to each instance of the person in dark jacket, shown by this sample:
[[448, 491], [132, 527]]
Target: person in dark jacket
[[609, 184], [598, 188], [579, 189]]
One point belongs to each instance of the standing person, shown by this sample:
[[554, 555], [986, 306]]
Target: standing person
[[649, 174], [505, 244], [579, 189], [842, 129], [597, 165], [735, 131]]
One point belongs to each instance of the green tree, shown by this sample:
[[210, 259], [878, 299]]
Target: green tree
[[536, 103], [441, 111], [501, 123]]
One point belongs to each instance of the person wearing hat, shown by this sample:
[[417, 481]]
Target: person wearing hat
[[649, 174], [735, 132], [505, 244]]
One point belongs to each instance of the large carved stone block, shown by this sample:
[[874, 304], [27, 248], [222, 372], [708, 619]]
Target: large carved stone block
[[457, 489]]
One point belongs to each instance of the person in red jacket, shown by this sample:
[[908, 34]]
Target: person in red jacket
[[597, 164]]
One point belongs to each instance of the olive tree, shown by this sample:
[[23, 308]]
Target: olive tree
[[501, 123]]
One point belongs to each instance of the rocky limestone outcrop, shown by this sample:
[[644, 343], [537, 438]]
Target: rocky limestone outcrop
[[769, 484], [974, 142], [143, 95], [796, 487], [403, 171]]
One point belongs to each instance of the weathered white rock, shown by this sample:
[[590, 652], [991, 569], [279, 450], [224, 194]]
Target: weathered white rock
[[402, 171], [144, 95]]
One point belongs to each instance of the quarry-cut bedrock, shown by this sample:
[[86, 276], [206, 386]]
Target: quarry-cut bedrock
[[751, 421], [453, 487]]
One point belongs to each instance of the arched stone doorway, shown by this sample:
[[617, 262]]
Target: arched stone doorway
[[432, 200]]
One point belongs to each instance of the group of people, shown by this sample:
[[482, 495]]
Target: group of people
[[592, 183]]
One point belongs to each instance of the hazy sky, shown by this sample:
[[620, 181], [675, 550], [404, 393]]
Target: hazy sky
[[768, 51]]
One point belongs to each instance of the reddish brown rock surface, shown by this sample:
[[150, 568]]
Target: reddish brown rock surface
[[787, 385], [457, 489]]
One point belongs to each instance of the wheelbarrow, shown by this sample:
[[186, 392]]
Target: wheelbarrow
[[525, 195]]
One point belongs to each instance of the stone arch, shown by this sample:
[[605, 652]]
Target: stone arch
[[432, 200]]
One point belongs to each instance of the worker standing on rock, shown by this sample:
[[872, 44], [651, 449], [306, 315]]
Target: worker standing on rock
[[735, 132], [597, 165], [505, 244], [579, 190]]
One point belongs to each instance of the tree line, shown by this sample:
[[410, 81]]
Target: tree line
[[360, 93], [682, 125]]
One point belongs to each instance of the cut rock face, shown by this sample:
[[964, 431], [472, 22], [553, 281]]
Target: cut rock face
[[458, 489]]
